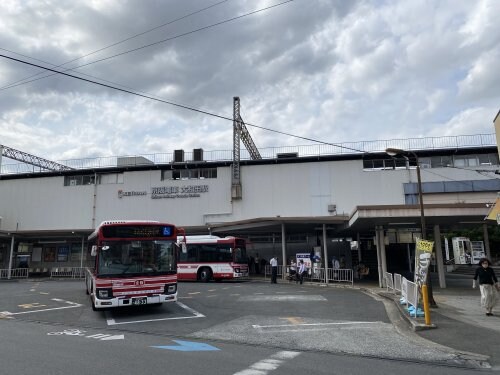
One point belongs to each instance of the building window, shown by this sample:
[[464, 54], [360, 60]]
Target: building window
[[166, 175], [443, 161], [110, 178], [79, 180], [189, 174]]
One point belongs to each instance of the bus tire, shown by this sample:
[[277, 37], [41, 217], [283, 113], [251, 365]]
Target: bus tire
[[205, 274]]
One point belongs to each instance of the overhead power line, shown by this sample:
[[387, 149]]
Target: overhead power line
[[176, 104], [156, 43], [14, 84]]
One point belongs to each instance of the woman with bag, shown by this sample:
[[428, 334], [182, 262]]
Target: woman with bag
[[487, 285]]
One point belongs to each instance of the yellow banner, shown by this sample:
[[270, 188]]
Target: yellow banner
[[423, 255], [494, 213]]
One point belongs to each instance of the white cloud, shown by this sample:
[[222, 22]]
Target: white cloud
[[482, 80], [333, 71]]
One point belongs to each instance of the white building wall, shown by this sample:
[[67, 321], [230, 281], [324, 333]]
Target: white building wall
[[299, 189], [179, 211], [44, 204]]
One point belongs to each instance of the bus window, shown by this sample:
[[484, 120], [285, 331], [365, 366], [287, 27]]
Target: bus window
[[224, 254]]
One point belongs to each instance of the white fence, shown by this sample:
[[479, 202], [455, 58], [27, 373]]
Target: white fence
[[408, 290], [20, 273], [15, 273], [389, 281], [317, 275], [397, 283], [411, 295], [68, 272]]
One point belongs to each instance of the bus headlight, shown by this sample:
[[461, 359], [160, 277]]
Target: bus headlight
[[170, 288], [104, 293], [237, 270]]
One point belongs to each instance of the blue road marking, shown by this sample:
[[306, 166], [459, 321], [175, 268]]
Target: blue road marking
[[188, 346]]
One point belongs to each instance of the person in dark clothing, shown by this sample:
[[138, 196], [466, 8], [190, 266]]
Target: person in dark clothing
[[301, 271], [487, 285], [274, 269]]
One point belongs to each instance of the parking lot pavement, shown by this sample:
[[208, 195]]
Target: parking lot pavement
[[349, 320]]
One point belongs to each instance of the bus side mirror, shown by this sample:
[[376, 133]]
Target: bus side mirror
[[184, 247], [93, 251]]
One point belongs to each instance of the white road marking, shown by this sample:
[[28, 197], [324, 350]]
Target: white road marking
[[269, 364], [196, 314], [292, 297], [313, 324], [72, 305], [78, 332]]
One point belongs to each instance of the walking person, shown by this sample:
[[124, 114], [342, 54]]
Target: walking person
[[487, 285], [274, 269], [257, 264], [302, 270], [292, 275]]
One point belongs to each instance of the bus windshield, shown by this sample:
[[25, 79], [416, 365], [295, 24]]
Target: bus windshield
[[126, 258], [240, 255]]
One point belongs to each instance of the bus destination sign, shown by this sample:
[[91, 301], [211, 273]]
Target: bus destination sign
[[137, 231]]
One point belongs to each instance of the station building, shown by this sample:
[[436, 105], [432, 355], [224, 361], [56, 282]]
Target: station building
[[353, 201]]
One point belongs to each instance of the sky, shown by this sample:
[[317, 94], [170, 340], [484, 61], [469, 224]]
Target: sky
[[305, 71]]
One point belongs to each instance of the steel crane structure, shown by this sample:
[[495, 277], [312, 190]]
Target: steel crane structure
[[26, 158], [240, 132]]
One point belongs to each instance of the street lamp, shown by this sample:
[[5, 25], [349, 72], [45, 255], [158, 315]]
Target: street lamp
[[396, 151]]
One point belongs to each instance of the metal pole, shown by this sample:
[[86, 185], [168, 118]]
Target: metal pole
[[11, 256], [325, 260], [486, 241], [428, 282], [379, 262], [420, 199], [81, 256], [283, 251]]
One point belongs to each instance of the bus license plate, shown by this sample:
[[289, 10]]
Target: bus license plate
[[139, 301]]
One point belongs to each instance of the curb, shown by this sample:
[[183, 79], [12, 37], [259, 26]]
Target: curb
[[417, 324]]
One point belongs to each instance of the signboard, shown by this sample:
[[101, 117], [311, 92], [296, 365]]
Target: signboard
[[494, 213], [62, 253], [306, 258], [423, 255]]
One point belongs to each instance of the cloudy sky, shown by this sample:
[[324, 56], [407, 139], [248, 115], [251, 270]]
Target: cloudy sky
[[327, 70]]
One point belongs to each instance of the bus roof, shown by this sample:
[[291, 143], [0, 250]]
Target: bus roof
[[112, 222], [204, 239]]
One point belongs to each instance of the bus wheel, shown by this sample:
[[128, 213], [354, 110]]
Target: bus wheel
[[205, 274]]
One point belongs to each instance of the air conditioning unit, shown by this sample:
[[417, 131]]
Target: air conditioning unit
[[198, 154], [287, 155], [178, 156], [332, 208]]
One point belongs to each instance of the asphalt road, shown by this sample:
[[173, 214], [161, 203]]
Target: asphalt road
[[48, 327]]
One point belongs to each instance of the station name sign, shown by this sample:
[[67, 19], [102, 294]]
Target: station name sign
[[122, 193], [186, 191]]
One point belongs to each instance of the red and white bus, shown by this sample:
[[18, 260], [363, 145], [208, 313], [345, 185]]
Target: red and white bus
[[135, 264], [212, 257]]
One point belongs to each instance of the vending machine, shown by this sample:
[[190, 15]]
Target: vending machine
[[466, 251]]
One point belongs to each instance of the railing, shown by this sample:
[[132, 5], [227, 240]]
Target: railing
[[408, 289], [412, 297], [411, 144], [397, 283], [389, 281], [69, 272], [317, 275], [20, 273], [15, 273]]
